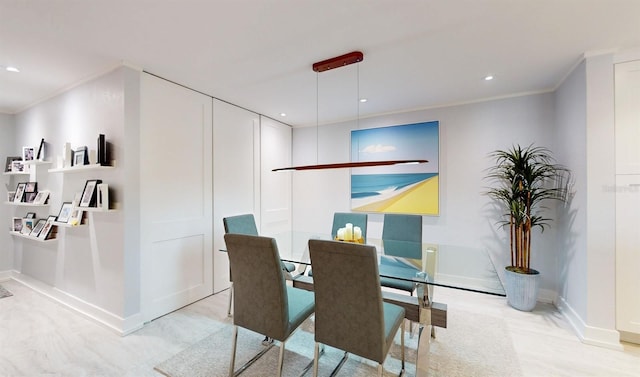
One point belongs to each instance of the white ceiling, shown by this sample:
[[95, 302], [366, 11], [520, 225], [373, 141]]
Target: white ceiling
[[258, 53]]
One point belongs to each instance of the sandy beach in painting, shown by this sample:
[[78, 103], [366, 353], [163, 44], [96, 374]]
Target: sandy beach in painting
[[419, 198]]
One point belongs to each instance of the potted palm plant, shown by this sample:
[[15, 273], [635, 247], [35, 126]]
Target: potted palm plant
[[523, 179]]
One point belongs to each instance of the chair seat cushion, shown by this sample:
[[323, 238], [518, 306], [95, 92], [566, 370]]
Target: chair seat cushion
[[393, 317], [397, 284], [301, 306], [290, 267]]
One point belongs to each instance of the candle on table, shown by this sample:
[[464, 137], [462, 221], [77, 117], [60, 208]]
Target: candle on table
[[357, 233], [348, 234]]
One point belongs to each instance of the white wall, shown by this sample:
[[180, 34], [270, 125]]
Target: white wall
[[88, 267], [7, 148], [467, 134]]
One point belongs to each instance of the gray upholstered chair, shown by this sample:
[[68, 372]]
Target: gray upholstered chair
[[401, 237], [245, 224], [263, 302], [342, 218], [350, 313]]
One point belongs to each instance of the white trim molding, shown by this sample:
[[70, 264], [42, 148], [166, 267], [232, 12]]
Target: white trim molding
[[596, 336]]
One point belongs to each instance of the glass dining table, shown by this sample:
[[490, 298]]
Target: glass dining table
[[428, 265]]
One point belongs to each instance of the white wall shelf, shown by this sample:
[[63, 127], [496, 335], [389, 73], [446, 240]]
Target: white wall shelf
[[67, 225], [96, 209], [26, 204], [18, 234], [37, 162], [16, 173], [81, 168]]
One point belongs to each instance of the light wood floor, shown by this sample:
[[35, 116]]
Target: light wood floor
[[40, 337]]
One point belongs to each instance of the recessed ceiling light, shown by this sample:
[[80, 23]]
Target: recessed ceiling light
[[363, 100], [283, 114], [12, 69], [488, 78]]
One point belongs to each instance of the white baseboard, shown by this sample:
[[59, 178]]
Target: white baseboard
[[547, 296], [596, 336], [121, 326], [5, 275]]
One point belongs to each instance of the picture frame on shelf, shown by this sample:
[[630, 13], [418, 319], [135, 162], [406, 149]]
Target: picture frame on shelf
[[80, 156], [46, 232], [40, 155], [41, 197], [65, 212], [18, 166], [76, 216], [101, 150], [9, 162], [103, 196], [19, 192], [27, 226], [28, 153], [38, 228], [10, 196], [17, 224], [31, 187], [89, 194], [29, 197], [30, 215]]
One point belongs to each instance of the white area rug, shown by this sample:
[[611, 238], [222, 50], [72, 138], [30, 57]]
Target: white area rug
[[473, 345]]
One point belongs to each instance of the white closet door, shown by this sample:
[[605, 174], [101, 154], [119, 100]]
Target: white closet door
[[236, 178], [275, 187], [627, 109], [175, 196]]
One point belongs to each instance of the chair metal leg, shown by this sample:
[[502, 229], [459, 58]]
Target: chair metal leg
[[230, 300], [233, 350], [340, 364], [402, 347], [281, 359], [380, 369], [316, 358]]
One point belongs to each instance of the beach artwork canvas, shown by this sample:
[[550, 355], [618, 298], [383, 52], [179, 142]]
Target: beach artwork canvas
[[412, 189]]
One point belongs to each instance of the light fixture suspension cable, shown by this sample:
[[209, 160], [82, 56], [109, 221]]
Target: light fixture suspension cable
[[317, 117]]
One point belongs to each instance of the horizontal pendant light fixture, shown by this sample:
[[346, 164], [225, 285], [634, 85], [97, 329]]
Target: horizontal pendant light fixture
[[337, 62], [361, 164]]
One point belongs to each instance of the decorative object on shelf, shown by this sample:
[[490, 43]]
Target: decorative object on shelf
[[19, 192], [101, 158], [8, 164], [10, 196], [65, 212], [89, 194], [27, 226], [49, 230], [30, 215], [524, 179], [350, 233], [40, 155], [17, 224], [80, 156], [29, 197], [28, 153], [103, 196], [76, 217], [18, 166], [67, 155], [31, 187], [38, 228], [41, 197]]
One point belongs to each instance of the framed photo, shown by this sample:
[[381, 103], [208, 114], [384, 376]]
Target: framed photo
[[8, 164], [10, 196], [38, 228], [76, 216], [27, 226], [31, 187], [28, 153], [46, 229], [30, 215], [19, 192], [41, 197], [80, 156], [17, 224], [40, 155], [29, 197], [65, 212], [18, 166], [89, 193]]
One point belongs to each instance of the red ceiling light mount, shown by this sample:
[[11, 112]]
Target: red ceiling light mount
[[338, 61]]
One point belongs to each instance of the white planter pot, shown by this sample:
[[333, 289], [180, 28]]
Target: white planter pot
[[522, 289]]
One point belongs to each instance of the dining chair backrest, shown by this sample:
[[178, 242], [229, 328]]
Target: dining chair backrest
[[260, 303], [349, 312], [402, 227], [240, 224], [340, 219]]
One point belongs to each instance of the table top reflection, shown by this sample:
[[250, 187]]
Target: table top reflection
[[449, 266]]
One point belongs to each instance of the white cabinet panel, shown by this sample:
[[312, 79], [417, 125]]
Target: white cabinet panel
[[627, 110], [275, 188], [628, 253], [175, 196], [236, 179]]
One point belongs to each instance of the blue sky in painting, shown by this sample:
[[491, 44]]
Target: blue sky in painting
[[403, 142]]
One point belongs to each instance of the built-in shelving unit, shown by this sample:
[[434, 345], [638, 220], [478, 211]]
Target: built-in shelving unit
[[25, 236]]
